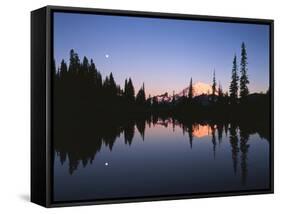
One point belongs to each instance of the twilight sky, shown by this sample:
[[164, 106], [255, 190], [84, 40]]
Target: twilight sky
[[163, 53]]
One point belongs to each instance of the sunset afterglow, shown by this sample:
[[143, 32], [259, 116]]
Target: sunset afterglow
[[164, 54]]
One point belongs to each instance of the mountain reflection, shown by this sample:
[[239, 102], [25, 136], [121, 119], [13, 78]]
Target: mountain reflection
[[82, 145]]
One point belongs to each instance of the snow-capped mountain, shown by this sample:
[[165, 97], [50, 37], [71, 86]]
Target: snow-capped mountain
[[199, 88]]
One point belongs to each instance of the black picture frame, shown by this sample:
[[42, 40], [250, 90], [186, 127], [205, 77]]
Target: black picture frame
[[41, 102]]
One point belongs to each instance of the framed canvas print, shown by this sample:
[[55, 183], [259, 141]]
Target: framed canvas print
[[138, 106]]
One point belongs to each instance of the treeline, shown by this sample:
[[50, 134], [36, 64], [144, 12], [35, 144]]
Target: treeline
[[80, 87]]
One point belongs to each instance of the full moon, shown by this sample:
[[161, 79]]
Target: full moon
[[107, 56]]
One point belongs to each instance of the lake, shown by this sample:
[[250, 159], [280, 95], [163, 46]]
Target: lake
[[158, 158]]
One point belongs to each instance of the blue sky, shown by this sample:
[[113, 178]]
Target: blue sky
[[163, 53]]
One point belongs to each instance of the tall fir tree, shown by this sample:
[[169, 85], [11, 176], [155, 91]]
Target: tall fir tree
[[220, 91], [190, 90], [220, 94], [129, 90], [85, 65], [112, 85], [71, 61], [233, 88], [93, 74], [140, 98], [92, 67], [214, 85], [244, 81], [126, 88], [74, 62]]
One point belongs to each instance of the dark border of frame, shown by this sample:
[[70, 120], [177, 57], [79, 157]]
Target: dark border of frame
[[49, 42]]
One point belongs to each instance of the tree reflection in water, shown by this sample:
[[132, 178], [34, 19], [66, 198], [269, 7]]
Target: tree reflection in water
[[80, 144]]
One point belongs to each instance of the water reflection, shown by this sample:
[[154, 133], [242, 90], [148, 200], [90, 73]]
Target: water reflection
[[233, 139], [244, 148], [82, 146], [153, 155]]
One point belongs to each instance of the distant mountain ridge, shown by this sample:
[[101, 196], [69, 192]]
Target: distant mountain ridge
[[199, 88]]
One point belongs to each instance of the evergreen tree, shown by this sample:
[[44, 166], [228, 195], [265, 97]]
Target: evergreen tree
[[112, 85], [85, 65], [233, 88], [63, 69], [140, 98], [244, 81], [71, 61], [130, 91], [93, 74], [126, 88], [98, 80], [74, 62], [190, 90], [106, 84], [92, 67], [214, 85], [220, 91], [143, 95], [220, 94]]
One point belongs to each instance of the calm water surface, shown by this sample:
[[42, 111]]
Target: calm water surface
[[163, 158]]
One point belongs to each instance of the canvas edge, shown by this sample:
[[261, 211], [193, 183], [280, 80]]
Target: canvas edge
[[38, 101]]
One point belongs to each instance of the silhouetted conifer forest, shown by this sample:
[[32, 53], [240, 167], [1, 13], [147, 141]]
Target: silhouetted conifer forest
[[81, 90]]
